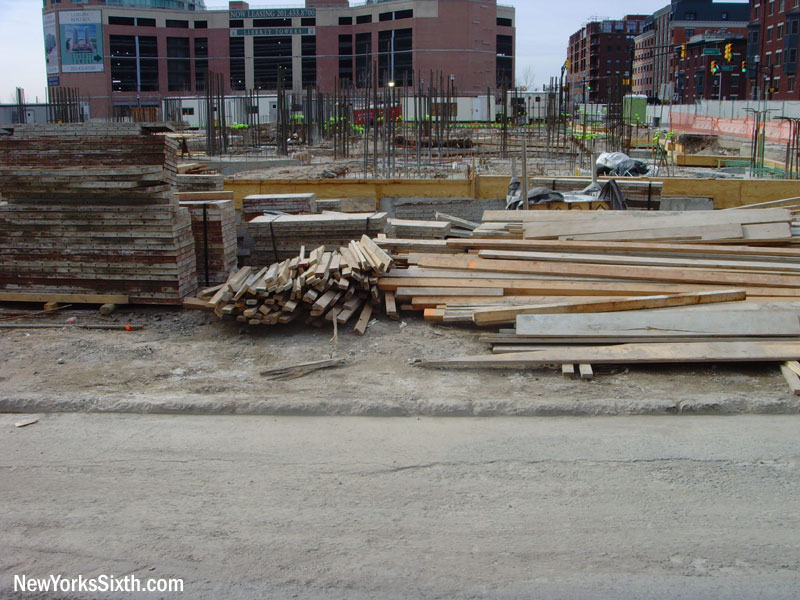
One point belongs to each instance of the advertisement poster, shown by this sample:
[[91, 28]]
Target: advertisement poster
[[81, 41], [50, 44]]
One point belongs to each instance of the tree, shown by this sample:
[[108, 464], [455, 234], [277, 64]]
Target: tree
[[526, 78]]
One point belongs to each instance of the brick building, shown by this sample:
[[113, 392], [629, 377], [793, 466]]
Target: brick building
[[651, 55], [696, 80], [599, 52], [772, 48], [136, 52]]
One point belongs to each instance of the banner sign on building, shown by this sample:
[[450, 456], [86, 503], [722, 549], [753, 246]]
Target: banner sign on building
[[50, 43], [274, 31], [81, 41], [273, 13]]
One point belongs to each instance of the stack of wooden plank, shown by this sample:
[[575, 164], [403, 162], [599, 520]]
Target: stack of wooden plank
[[764, 226], [293, 204], [319, 287], [410, 229], [91, 211], [202, 182], [214, 231], [276, 238]]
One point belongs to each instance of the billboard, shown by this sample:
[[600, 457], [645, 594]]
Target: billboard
[[274, 31], [81, 41], [273, 13], [50, 44]]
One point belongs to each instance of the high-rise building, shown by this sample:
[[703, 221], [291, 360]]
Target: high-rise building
[[145, 50]]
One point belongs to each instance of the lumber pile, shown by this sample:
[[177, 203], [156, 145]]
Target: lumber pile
[[90, 212], [764, 226], [214, 232], [294, 204], [320, 288], [278, 237], [411, 229], [200, 182]]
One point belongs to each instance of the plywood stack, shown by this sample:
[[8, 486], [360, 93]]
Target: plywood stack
[[203, 182], [276, 238], [214, 231], [91, 211], [408, 229], [764, 226], [293, 204], [321, 288]]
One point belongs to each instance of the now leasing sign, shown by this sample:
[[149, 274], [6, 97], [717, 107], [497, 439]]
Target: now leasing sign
[[81, 41]]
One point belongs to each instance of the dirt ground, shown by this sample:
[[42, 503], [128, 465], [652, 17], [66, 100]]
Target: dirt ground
[[193, 362]]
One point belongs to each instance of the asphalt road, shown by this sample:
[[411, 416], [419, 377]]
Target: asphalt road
[[265, 507]]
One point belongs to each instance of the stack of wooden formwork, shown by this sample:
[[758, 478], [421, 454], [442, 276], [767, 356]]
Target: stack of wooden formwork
[[90, 211], [214, 230], [294, 204], [277, 238]]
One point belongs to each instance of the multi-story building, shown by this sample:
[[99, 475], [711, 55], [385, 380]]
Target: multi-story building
[[599, 52], [120, 53], [704, 71], [772, 47], [651, 56]]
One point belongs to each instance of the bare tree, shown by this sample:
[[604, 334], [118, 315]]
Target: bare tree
[[526, 78]]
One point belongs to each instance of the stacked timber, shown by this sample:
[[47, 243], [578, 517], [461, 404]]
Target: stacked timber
[[278, 237], [764, 226], [411, 229], [294, 204], [319, 288], [200, 182], [91, 212], [214, 231]]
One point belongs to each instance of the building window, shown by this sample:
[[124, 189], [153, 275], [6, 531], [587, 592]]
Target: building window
[[505, 61], [363, 49], [407, 14], [346, 58], [395, 59], [179, 77], [689, 33], [272, 22], [790, 84], [237, 63], [387, 16], [200, 64], [178, 24], [309, 61], [501, 22], [121, 21], [187, 112], [361, 19], [308, 22], [724, 16], [134, 63], [345, 20], [690, 16], [780, 31], [771, 8], [201, 24], [141, 22], [769, 34], [269, 55], [236, 23]]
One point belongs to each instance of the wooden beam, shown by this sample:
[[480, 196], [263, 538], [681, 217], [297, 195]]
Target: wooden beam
[[63, 298]]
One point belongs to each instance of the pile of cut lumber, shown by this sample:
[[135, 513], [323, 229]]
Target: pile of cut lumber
[[294, 204], [214, 231], [319, 287], [91, 213], [276, 238], [764, 226]]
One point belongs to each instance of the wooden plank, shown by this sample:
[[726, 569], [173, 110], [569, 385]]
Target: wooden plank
[[792, 379], [661, 322], [794, 366], [63, 298], [661, 274], [485, 317], [391, 306], [586, 372], [631, 354], [711, 232], [501, 216], [568, 370], [363, 319], [409, 292]]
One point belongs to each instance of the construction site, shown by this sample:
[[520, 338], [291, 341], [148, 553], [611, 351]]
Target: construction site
[[391, 336]]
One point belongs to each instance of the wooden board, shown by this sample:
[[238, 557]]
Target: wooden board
[[631, 354], [497, 316], [63, 298], [662, 322]]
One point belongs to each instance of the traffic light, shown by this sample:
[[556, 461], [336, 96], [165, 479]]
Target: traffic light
[[683, 50], [728, 52], [714, 66], [567, 64], [744, 66]]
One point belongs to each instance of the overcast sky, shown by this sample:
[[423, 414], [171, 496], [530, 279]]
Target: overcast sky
[[543, 29]]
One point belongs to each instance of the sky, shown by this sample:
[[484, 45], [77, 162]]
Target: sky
[[543, 30]]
